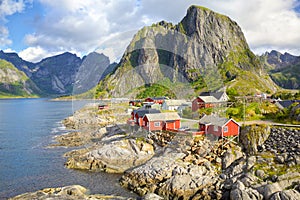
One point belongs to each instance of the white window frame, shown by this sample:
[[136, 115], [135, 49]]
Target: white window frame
[[225, 129], [156, 124]]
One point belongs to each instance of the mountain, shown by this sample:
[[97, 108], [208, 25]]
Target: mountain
[[58, 74], [204, 50], [15, 83], [284, 69], [18, 62]]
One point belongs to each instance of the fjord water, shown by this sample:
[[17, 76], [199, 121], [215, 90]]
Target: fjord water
[[27, 126]]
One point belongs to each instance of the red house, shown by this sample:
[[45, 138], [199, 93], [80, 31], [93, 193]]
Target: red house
[[161, 121], [209, 100], [222, 127], [158, 100], [137, 115]]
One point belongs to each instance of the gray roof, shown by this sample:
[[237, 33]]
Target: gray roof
[[209, 99], [287, 103], [174, 102], [168, 116], [141, 112], [217, 95], [214, 120]]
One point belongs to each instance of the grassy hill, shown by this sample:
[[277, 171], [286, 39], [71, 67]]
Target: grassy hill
[[14, 83]]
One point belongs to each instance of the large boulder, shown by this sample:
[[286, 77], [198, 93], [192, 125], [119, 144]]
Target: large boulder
[[251, 137], [286, 195], [239, 191], [72, 192], [230, 156], [114, 157]]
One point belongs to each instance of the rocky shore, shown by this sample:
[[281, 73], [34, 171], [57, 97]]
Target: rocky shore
[[264, 164]]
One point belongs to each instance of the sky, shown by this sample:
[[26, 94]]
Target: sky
[[36, 29]]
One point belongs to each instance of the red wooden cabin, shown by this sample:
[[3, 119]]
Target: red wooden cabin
[[137, 115], [221, 127], [158, 100], [162, 121]]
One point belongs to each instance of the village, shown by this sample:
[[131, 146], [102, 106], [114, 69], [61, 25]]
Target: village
[[205, 115]]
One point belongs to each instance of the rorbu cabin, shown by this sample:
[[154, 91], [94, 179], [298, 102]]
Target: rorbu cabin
[[209, 100], [156, 100], [218, 126], [103, 107], [137, 115], [161, 121]]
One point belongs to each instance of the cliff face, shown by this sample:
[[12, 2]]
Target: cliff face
[[57, 75], [14, 82], [284, 69], [205, 49]]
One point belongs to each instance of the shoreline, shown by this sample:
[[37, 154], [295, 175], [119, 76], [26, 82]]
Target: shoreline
[[180, 166]]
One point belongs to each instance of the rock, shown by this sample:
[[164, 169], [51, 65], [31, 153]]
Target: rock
[[230, 156], [268, 190], [151, 196], [73, 192], [253, 136], [279, 159], [260, 173], [286, 195], [239, 191], [251, 160], [144, 178], [114, 157]]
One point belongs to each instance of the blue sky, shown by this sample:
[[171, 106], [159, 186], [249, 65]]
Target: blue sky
[[40, 28]]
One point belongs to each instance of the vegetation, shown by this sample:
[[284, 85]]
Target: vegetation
[[14, 83], [155, 90], [288, 77], [286, 95]]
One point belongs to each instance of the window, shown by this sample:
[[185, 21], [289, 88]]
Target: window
[[216, 128], [156, 124], [225, 129]]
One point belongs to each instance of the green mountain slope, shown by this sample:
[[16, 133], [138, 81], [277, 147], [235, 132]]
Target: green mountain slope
[[14, 83], [205, 51], [284, 69]]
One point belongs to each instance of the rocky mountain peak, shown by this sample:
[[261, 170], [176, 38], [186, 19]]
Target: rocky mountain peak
[[203, 42]]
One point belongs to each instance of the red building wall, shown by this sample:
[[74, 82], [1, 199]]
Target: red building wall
[[211, 130], [233, 129]]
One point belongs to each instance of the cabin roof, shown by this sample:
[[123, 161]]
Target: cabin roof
[[214, 120], [168, 116], [143, 111], [175, 102]]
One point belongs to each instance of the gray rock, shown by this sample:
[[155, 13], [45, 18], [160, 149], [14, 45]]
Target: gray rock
[[260, 173], [286, 195], [230, 156], [239, 191], [151, 196]]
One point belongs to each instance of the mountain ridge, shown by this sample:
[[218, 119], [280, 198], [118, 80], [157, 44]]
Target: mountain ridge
[[284, 69], [205, 49], [56, 75]]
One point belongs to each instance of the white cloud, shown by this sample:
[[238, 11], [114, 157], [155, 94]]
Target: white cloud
[[83, 26], [35, 54]]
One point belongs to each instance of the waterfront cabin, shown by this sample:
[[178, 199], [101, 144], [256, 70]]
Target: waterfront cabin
[[219, 126], [137, 115], [161, 121]]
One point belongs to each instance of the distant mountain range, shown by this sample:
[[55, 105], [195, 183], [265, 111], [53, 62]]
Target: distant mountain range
[[204, 51], [284, 69], [57, 75]]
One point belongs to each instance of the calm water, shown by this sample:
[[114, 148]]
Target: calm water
[[27, 126]]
